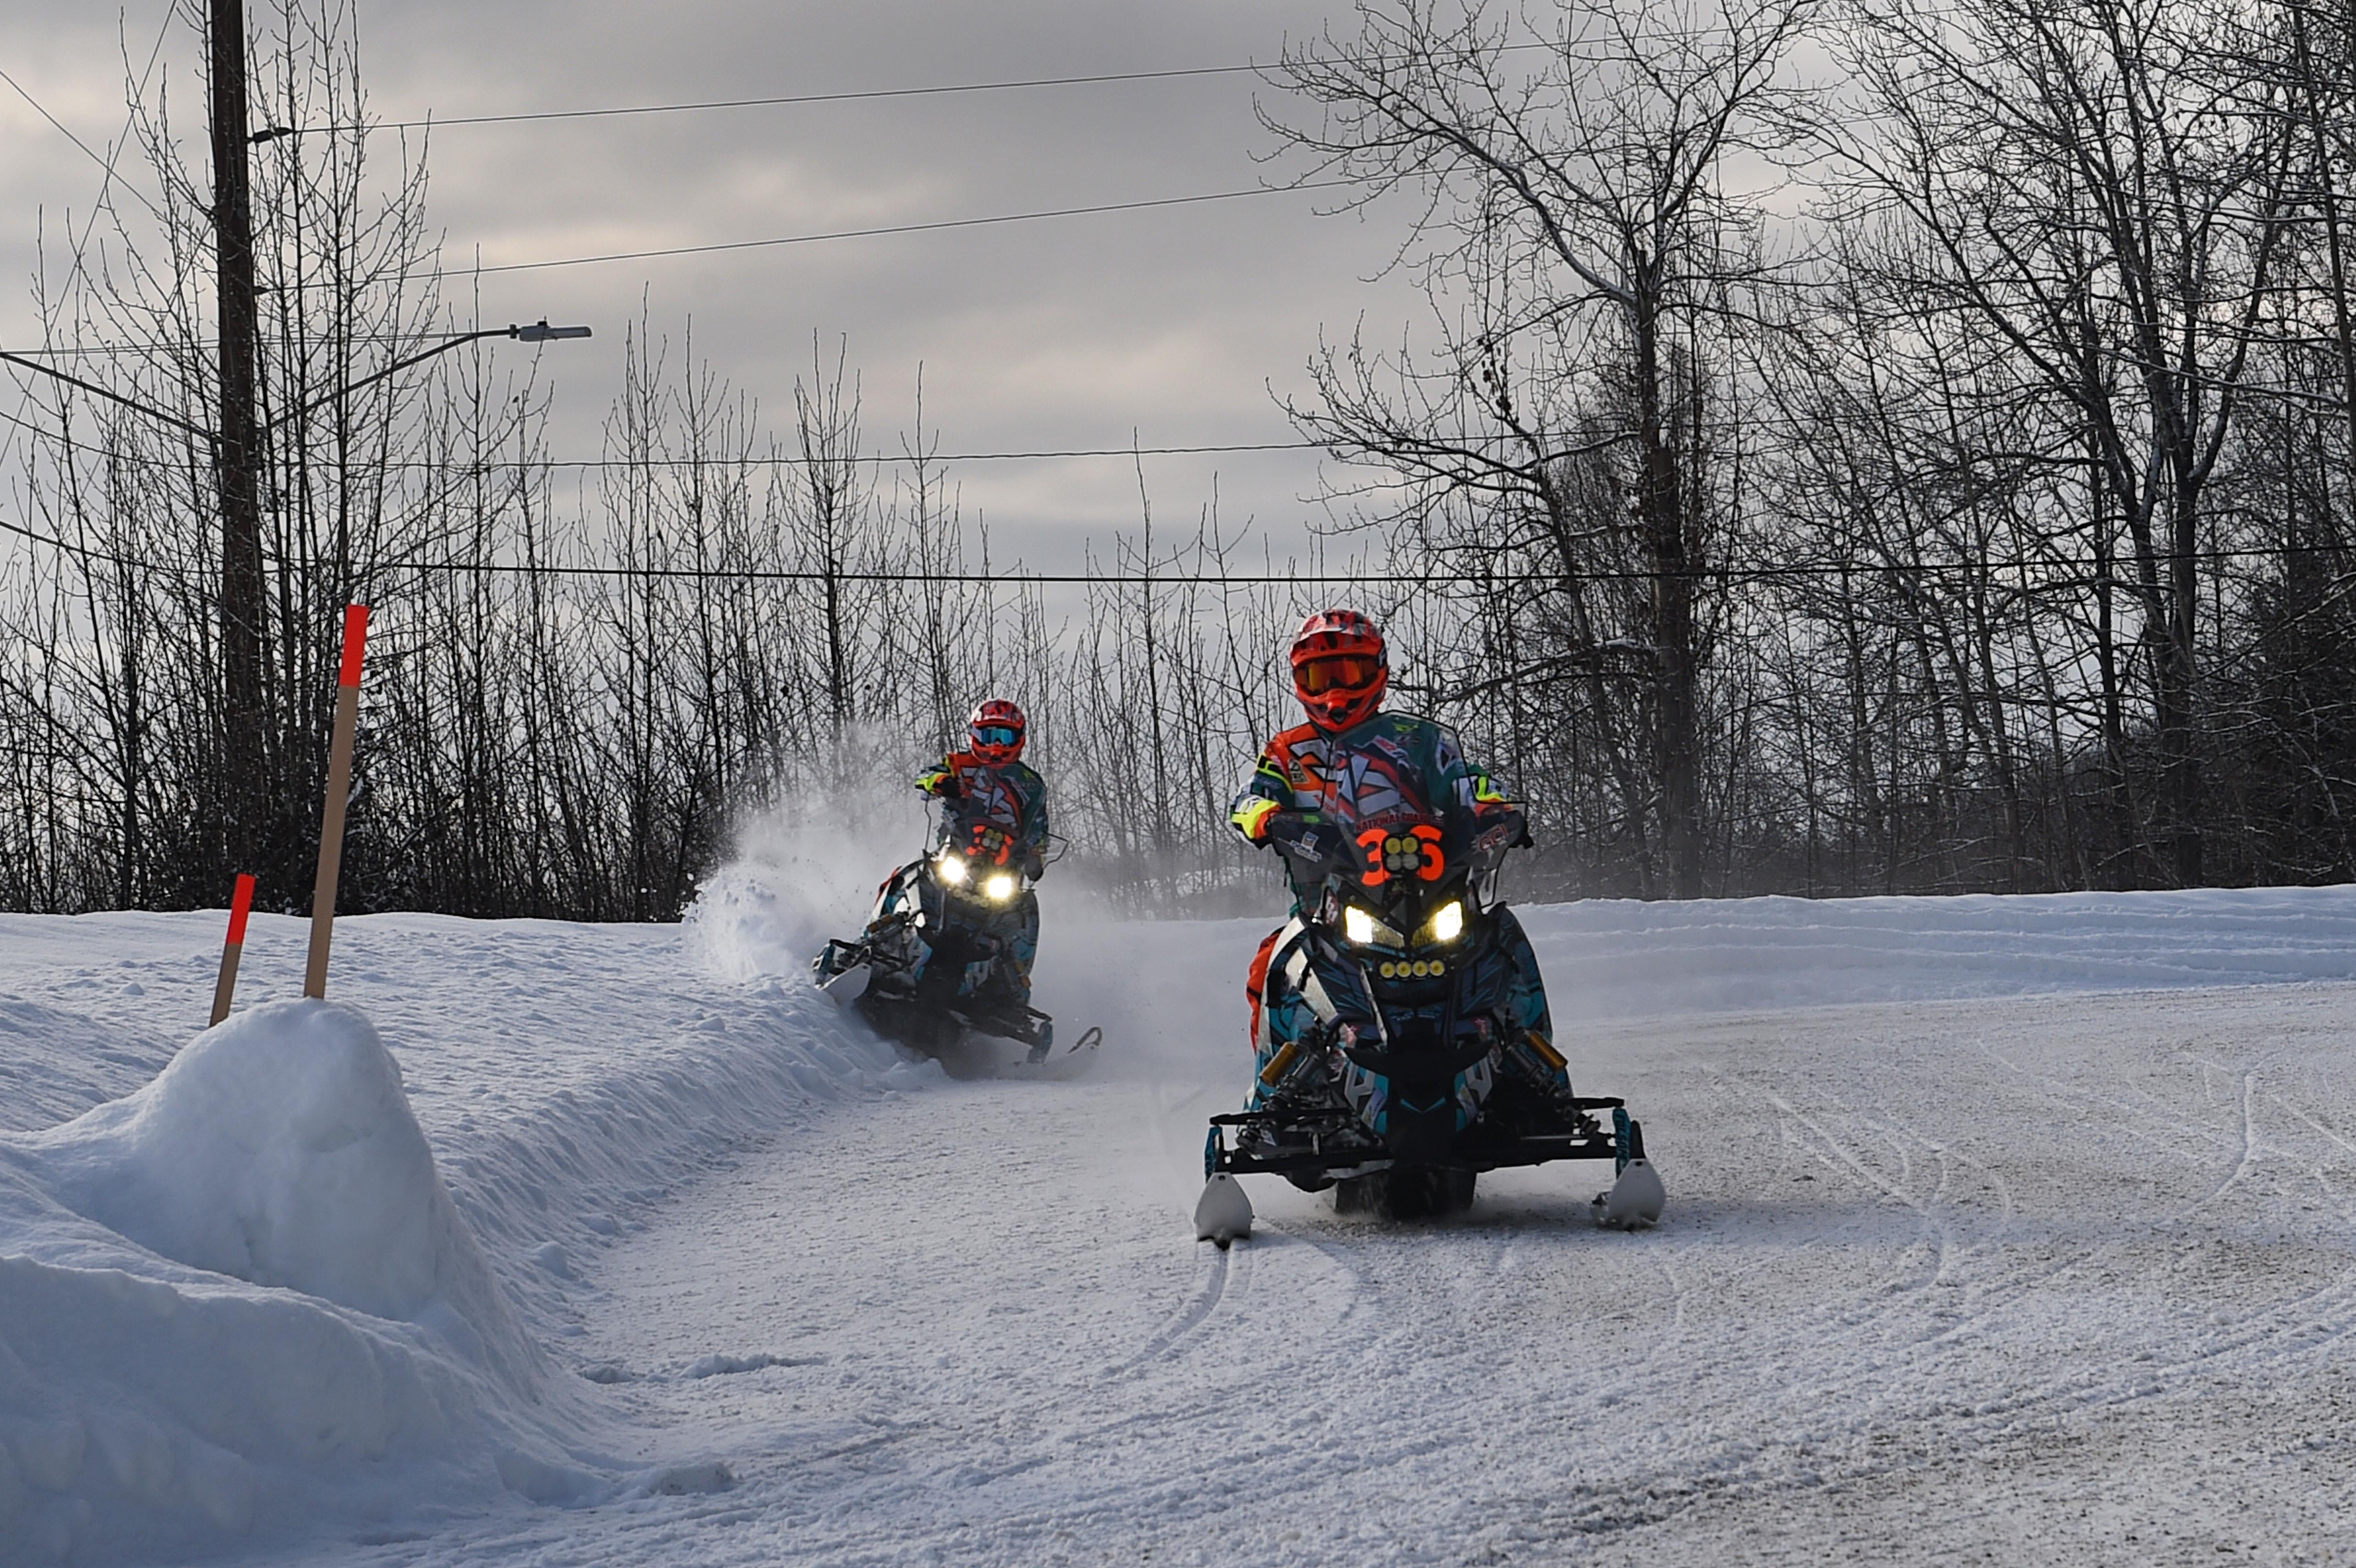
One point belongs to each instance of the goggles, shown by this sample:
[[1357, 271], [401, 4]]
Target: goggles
[[996, 735], [1339, 672]]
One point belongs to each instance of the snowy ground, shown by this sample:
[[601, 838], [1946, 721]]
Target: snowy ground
[[2010, 1229]]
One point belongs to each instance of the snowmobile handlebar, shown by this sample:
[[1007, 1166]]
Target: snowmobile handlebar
[[977, 838], [1305, 836], [1409, 868], [1324, 846]]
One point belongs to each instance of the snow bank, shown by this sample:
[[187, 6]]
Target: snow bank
[[231, 1297], [302, 1283], [1619, 958], [279, 1148]]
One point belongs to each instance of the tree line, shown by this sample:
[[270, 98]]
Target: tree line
[[1851, 448]]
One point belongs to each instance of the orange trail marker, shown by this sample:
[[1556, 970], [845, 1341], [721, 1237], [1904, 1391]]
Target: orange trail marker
[[240, 904], [340, 787]]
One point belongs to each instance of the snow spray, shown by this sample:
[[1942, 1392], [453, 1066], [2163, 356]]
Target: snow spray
[[804, 865], [240, 904], [339, 788]]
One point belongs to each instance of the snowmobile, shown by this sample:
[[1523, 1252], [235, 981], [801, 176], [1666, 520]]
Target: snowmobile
[[934, 950], [1405, 1082]]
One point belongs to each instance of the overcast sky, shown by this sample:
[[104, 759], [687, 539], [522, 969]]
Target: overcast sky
[[1069, 332]]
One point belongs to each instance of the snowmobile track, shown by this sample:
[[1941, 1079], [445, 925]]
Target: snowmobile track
[[1213, 1289]]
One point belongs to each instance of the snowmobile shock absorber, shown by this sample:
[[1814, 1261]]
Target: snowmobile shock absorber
[[1541, 1060], [1279, 1064], [1214, 1145]]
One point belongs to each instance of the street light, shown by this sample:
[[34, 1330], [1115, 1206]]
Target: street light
[[537, 332]]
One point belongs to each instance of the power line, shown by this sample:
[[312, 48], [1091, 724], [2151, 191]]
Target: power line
[[857, 95], [777, 460], [105, 163], [201, 346], [90, 220], [913, 228], [854, 96], [904, 459], [1728, 576], [1723, 576]]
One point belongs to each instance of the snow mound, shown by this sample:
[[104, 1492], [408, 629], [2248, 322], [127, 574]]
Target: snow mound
[[228, 1299], [279, 1148]]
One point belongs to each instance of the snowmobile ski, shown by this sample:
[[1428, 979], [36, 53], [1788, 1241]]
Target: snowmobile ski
[[1634, 1200], [1223, 1213], [1044, 1051], [1637, 1196], [1047, 1060]]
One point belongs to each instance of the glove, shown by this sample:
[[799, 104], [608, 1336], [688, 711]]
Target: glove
[[1033, 863], [1298, 833], [1503, 828]]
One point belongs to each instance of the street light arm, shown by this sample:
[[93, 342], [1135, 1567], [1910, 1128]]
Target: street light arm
[[539, 332], [98, 392]]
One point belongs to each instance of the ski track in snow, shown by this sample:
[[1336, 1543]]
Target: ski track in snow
[[2016, 1228]]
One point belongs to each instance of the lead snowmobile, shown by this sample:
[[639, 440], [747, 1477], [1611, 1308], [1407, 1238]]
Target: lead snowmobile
[[932, 951], [1405, 1083]]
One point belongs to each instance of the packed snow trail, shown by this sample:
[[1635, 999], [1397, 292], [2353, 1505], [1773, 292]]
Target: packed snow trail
[[2063, 1277], [1937, 1280]]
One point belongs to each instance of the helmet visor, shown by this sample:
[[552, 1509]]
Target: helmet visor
[[996, 734], [1339, 672]]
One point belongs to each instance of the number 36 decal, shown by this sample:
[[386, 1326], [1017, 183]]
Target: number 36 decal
[[1392, 854]]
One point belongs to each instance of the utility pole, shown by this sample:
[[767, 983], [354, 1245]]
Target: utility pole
[[237, 455]]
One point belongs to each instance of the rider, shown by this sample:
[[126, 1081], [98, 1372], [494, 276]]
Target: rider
[[1352, 761], [1003, 815]]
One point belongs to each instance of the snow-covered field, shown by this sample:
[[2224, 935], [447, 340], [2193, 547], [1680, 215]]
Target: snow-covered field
[[1999, 1229]]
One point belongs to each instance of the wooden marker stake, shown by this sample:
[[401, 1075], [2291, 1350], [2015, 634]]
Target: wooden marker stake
[[339, 786], [240, 904]]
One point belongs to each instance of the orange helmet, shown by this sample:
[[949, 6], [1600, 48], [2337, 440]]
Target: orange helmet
[[1339, 668], [996, 730]]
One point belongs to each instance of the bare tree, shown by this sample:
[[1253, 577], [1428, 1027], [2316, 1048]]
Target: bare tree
[[1579, 241], [2085, 177]]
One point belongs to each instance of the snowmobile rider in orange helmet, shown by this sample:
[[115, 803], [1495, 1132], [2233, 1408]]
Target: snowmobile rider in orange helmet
[[1001, 811], [1352, 761]]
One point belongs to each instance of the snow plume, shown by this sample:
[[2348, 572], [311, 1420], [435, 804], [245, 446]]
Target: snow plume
[[808, 864]]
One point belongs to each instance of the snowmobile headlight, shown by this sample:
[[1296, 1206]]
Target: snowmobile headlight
[[999, 889], [1365, 931], [1447, 922], [951, 868]]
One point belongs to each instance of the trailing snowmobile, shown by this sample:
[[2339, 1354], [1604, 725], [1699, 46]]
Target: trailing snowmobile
[[934, 949], [1402, 1082]]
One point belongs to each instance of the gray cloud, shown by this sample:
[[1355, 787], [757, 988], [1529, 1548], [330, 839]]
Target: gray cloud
[[1171, 324]]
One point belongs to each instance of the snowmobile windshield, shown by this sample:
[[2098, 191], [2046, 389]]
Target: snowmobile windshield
[[1394, 883]]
